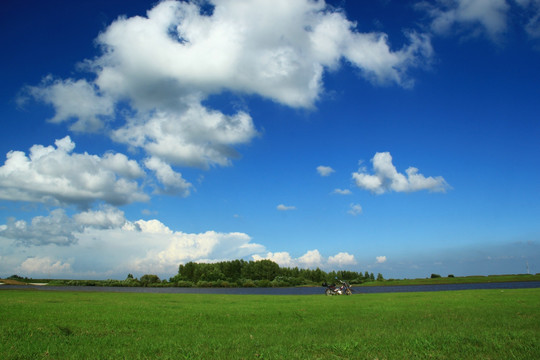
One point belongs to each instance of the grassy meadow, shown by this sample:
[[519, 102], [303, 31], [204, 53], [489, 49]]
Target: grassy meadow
[[477, 324]]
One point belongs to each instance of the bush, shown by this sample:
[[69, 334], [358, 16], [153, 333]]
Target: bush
[[434, 276], [451, 275]]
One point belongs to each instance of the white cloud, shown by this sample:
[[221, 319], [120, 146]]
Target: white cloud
[[355, 209], [489, 16], [283, 258], [57, 175], [325, 170], [311, 259], [121, 246], [381, 259], [56, 228], [282, 207], [342, 191], [193, 136], [74, 100], [166, 64], [43, 266], [342, 259], [173, 183], [387, 178], [107, 218]]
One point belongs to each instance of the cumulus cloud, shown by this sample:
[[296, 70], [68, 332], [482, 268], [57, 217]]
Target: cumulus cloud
[[283, 258], [387, 178], [166, 64], [325, 170], [282, 207], [107, 217], [173, 183], [121, 246], [57, 175], [311, 259], [56, 228], [380, 259], [342, 259], [44, 265], [193, 136], [74, 100]]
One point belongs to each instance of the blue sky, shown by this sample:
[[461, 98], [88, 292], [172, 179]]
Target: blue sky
[[382, 136]]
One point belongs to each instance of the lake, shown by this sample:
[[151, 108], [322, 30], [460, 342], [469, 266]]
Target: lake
[[282, 291]]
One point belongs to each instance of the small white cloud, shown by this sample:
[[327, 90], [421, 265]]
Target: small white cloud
[[387, 178], [282, 207], [381, 259], [355, 209], [342, 192], [342, 259], [325, 170]]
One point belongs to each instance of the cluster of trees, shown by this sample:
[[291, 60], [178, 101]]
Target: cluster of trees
[[262, 273], [235, 273]]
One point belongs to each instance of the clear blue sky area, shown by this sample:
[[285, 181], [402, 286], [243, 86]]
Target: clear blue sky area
[[393, 137]]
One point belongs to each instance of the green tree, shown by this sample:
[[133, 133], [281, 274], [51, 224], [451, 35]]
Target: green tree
[[149, 279]]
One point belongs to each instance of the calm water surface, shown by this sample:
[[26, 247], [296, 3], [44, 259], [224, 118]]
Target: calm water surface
[[282, 291]]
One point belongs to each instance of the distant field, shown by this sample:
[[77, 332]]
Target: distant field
[[478, 324], [456, 280]]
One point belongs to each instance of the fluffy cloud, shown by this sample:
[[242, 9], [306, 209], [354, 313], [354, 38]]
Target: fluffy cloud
[[57, 175], [173, 183], [325, 170], [166, 64], [106, 218], [282, 207], [56, 228], [311, 259], [387, 178], [43, 265], [380, 259], [342, 259], [74, 100], [121, 246]]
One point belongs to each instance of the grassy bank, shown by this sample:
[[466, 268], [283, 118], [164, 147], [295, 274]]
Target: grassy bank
[[456, 280], [481, 324]]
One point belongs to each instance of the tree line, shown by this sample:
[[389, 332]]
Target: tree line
[[261, 273], [234, 273]]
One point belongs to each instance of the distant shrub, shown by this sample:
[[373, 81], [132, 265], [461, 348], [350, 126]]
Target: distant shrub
[[451, 275], [434, 276], [263, 283], [183, 283]]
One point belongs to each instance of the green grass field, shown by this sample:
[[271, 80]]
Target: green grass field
[[456, 280], [478, 324]]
